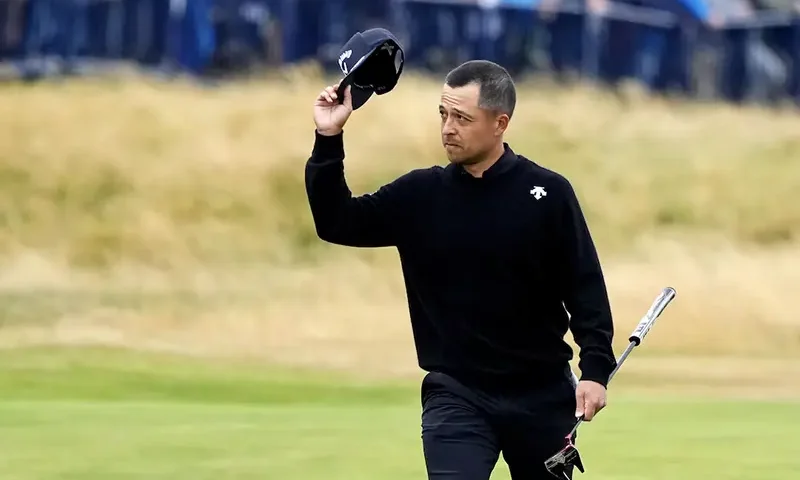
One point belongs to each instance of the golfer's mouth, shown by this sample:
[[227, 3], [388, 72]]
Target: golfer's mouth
[[451, 145]]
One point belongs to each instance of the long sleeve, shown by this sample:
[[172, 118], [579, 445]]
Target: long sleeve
[[371, 220], [584, 291]]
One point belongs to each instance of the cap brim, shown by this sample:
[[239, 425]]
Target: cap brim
[[360, 96]]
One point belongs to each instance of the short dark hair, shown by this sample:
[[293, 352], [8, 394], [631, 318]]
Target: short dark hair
[[497, 90]]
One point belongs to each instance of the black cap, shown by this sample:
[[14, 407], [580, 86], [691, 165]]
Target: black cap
[[372, 62]]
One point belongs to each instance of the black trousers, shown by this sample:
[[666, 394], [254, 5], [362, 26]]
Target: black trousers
[[465, 429]]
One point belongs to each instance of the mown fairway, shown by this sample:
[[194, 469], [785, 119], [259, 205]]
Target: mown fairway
[[104, 415], [160, 276]]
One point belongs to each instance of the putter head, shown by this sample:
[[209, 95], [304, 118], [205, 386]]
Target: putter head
[[559, 464]]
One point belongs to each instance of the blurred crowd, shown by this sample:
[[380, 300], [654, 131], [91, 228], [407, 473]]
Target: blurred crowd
[[739, 50]]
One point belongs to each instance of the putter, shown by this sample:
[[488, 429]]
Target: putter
[[560, 464]]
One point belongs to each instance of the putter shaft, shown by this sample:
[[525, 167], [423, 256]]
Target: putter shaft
[[568, 456], [641, 330]]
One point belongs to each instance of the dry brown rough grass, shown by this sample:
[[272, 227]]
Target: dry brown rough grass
[[143, 189]]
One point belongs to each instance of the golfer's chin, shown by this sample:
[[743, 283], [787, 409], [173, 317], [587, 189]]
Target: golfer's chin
[[455, 154]]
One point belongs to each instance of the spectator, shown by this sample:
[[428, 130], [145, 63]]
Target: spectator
[[567, 52], [595, 29], [791, 48], [766, 72], [14, 26], [780, 5]]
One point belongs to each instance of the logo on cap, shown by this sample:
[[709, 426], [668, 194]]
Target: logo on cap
[[388, 48], [344, 56]]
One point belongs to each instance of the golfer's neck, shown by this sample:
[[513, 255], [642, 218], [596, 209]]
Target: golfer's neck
[[478, 168]]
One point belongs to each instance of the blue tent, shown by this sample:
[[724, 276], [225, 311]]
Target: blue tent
[[519, 3], [697, 9]]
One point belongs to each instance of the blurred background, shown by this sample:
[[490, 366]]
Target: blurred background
[[736, 50], [167, 311]]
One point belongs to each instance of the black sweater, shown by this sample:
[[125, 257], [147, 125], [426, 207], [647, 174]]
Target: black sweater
[[489, 269]]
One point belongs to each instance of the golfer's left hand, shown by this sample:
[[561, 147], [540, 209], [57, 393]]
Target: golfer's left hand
[[590, 398]]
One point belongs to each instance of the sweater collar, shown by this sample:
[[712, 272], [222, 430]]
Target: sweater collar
[[505, 163]]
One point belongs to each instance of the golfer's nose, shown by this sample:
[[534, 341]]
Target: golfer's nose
[[448, 129]]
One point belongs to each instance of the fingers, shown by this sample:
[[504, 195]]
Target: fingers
[[329, 94], [329, 97], [589, 410], [580, 402], [592, 406], [589, 400]]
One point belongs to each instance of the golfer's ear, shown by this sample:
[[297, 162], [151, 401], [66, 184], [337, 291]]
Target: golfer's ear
[[502, 123]]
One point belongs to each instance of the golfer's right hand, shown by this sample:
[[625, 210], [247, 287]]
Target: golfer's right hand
[[329, 115]]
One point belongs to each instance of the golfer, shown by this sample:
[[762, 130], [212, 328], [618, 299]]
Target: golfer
[[495, 251]]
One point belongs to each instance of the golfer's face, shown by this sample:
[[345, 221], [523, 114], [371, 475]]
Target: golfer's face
[[467, 130]]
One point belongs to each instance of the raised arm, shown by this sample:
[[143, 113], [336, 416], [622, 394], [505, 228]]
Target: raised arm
[[373, 220]]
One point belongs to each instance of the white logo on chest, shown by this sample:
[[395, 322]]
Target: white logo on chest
[[538, 192]]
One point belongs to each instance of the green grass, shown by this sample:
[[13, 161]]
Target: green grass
[[99, 414], [167, 218]]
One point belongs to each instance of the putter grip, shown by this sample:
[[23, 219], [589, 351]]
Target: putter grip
[[646, 323]]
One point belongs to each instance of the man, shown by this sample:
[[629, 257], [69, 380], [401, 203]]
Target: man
[[576, 40], [493, 248], [765, 73]]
